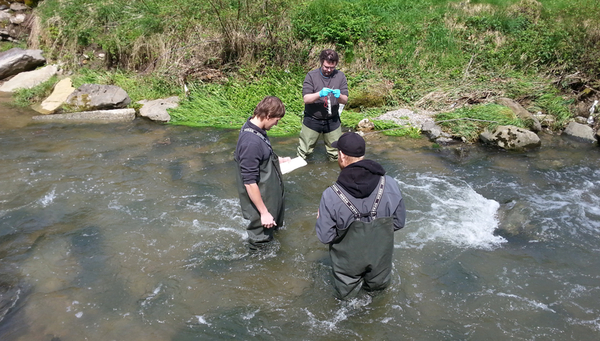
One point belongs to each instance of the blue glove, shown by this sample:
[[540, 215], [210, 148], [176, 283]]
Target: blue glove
[[336, 93], [324, 92]]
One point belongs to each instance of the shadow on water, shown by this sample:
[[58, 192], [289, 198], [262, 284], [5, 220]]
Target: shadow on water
[[134, 231]]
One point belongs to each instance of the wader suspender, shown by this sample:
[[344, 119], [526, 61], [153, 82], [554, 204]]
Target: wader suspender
[[353, 209], [262, 137]]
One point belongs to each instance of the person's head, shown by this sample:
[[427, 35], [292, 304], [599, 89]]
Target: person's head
[[351, 148], [269, 111], [329, 60]]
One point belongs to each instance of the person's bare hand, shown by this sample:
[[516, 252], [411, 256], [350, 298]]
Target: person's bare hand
[[267, 220], [285, 159]]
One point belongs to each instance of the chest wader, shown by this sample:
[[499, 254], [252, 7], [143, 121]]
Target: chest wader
[[364, 249], [271, 189]]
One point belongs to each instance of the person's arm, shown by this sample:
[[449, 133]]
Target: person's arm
[[343, 99], [400, 216], [266, 218], [312, 98], [326, 225]]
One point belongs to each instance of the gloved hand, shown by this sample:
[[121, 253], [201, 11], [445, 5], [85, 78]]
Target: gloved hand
[[324, 92], [336, 93]]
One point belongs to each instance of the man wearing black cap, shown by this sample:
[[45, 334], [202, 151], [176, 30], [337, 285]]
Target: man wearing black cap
[[357, 217]]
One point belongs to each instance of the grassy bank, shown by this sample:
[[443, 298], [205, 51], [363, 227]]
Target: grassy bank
[[432, 54]]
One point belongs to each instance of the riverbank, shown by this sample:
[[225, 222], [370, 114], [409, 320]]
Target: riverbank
[[220, 92]]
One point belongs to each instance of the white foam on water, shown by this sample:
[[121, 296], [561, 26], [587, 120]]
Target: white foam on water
[[202, 320], [348, 309], [528, 302], [48, 198], [447, 210]]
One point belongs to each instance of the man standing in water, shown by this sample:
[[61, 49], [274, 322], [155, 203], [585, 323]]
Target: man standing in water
[[324, 89], [357, 217], [259, 180]]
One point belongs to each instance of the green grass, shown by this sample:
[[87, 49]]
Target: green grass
[[394, 52], [137, 86], [229, 105], [25, 97], [470, 121]]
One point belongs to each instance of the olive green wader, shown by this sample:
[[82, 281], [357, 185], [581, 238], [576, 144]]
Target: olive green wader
[[308, 140], [272, 193], [364, 250]]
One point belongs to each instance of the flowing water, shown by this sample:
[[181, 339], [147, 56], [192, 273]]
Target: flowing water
[[133, 232]]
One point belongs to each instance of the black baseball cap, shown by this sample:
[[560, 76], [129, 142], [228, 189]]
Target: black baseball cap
[[350, 144]]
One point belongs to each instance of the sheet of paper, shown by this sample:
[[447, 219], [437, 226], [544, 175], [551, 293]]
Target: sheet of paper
[[293, 164]]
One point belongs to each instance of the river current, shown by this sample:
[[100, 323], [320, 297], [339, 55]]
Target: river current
[[133, 232]]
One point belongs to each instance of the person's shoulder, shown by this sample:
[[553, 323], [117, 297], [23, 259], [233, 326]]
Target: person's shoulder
[[327, 194], [313, 72], [392, 184], [248, 138]]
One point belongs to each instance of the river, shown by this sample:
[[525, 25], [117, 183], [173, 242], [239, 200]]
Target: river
[[134, 232]]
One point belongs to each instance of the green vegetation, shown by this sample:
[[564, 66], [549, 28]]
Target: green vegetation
[[423, 54], [24, 97], [469, 121]]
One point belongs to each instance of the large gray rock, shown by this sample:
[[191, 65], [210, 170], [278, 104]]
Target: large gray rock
[[581, 132], [527, 117], [157, 110], [17, 60], [90, 97], [29, 79], [435, 133], [511, 138], [97, 116]]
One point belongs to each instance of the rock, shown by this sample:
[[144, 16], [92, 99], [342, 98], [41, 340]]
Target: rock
[[59, 95], [510, 138], [581, 132], [17, 7], [365, 125], [18, 19], [435, 134], [96, 116], [5, 17], [157, 110], [514, 221], [17, 60], [545, 119], [29, 79], [97, 97], [431, 130], [522, 113], [407, 117]]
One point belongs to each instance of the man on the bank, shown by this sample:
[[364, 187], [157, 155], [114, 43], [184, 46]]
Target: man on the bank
[[324, 89], [259, 180], [357, 217]]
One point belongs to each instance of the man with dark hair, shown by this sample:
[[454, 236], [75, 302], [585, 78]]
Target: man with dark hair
[[324, 89], [357, 217], [259, 180]]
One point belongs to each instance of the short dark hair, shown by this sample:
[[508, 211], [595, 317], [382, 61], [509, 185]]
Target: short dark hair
[[269, 107], [329, 55]]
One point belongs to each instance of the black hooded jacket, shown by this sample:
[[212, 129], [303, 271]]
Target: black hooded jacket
[[361, 178]]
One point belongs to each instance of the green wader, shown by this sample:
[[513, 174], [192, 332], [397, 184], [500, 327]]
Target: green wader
[[308, 140], [363, 251], [272, 193]]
